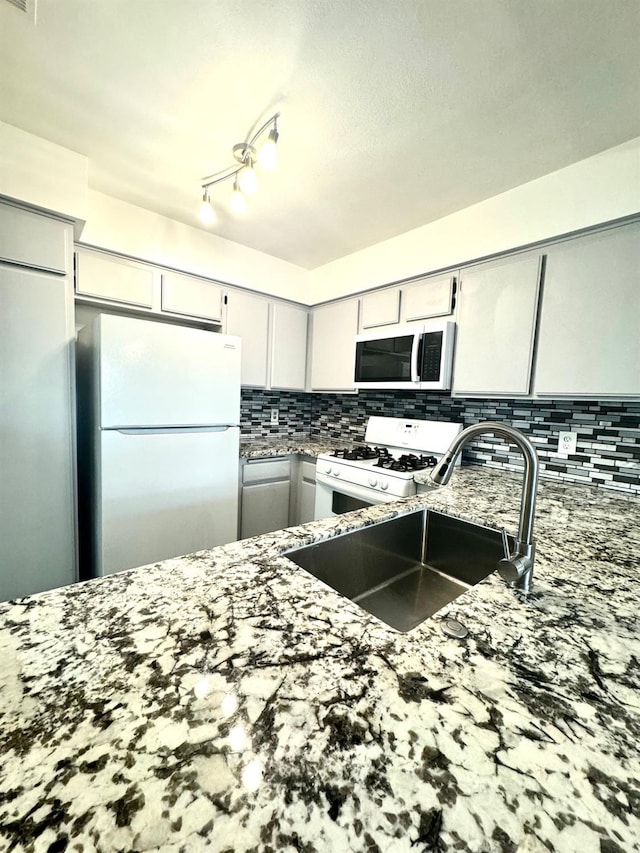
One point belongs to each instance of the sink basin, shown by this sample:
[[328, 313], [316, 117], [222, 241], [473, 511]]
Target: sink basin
[[404, 570]]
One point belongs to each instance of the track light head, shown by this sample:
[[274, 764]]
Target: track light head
[[268, 151], [238, 203], [207, 214]]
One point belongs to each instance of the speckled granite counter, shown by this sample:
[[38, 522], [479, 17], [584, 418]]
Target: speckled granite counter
[[228, 701], [252, 448]]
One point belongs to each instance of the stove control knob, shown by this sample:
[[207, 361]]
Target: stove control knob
[[327, 469], [373, 482], [336, 473], [384, 485]]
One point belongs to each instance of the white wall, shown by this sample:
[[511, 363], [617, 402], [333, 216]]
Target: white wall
[[130, 230], [600, 189], [42, 174]]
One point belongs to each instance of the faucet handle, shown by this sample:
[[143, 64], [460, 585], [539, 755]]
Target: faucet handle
[[516, 568], [513, 568], [505, 543]]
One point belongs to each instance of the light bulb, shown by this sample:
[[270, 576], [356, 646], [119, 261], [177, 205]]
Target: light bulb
[[238, 203], [206, 213], [268, 151], [248, 179]]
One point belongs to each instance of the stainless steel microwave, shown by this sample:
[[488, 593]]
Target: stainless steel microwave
[[413, 358]]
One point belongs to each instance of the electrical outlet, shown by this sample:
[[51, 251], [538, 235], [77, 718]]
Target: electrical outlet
[[275, 417], [567, 443]]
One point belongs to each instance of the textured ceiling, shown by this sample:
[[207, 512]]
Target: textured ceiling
[[393, 112]]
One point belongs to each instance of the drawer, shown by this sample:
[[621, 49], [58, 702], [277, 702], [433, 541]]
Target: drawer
[[259, 470]]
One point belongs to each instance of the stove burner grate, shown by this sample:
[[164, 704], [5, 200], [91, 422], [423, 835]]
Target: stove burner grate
[[359, 452], [407, 462]]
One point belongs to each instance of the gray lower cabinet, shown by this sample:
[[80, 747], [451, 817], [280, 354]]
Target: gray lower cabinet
[[589, 336], [37, 411], [265, 498]]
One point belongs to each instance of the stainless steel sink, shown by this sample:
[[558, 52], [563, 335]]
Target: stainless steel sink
[[404, 570]]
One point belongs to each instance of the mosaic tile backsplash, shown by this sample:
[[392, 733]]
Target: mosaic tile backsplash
[[608, 443]]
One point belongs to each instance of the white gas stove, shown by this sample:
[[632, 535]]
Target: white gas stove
[[382, 469]]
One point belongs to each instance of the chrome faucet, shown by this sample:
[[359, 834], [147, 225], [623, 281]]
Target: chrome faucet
[[515, 567]]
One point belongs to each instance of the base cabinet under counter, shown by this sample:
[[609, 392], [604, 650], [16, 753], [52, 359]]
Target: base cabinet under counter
[[276, 492], [265, 495]]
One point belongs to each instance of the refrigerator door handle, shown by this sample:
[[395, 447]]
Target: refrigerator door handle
[[173, 430]]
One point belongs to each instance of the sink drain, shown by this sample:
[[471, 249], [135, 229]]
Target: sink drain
[[453, 628]]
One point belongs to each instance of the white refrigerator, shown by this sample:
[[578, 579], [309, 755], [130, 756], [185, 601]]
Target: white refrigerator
[[165, 441]]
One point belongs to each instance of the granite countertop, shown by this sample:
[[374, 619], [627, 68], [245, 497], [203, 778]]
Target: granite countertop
[[228, 701], [278, 445]]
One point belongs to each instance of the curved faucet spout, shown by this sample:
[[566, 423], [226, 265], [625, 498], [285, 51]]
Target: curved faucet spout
[[515, 567]]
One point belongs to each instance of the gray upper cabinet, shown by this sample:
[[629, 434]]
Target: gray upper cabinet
[[589, 338], [495, 328], [288, 347], [335, 327], [431, 297], [32, 240], [381, 308], [103, 277], [191, 297], [248, 318]]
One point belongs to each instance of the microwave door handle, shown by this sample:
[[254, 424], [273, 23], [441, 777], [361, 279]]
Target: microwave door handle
[[416, 352]]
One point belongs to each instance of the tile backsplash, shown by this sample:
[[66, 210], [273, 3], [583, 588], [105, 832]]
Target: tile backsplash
[[294, 413], [608, 433]]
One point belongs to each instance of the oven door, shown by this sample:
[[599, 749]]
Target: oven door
[[334, 497]]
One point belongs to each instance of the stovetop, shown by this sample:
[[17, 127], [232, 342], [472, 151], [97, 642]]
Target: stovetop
[[381, 457]]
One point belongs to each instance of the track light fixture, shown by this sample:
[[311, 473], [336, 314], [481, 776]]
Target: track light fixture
[[245, 180]]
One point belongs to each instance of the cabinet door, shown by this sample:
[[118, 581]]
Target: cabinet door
[[103, 277], [37, 425], [248, 317], [589, 340], [381, 308], [265, 507], [432, 297], [193, 297], [496, 323], [335, 327], [32, 240], [289, 347]]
